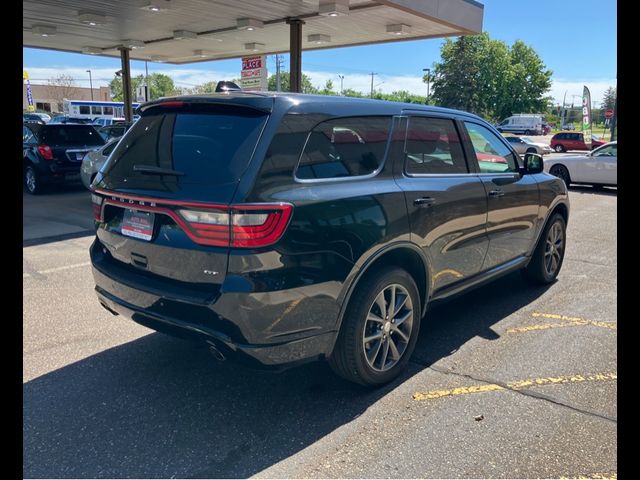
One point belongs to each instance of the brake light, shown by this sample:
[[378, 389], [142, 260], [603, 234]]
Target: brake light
[[171, 104], [242, 226], [96, 201], [46, 152]]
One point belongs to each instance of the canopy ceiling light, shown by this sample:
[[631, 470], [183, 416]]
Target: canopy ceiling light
[[44, 30], [399, 29], [92, 18], [158, 58], [154, 5], [200, 53], [254, 47], [92, 50], [133, 44], [184, 35], [249, 24], [333, 8], [318, 38]]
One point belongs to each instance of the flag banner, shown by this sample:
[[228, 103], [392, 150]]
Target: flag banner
[[586, 117]]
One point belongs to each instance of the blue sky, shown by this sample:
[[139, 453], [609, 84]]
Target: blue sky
[[576, 39]]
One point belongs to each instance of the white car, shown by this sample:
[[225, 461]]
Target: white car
[[524, 145], [598, 167], [93, 161]]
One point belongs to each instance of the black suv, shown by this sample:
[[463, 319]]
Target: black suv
[[280, 228], [53, 153]]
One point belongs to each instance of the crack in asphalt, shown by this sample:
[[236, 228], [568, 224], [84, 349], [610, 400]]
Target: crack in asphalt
[[528, 393]]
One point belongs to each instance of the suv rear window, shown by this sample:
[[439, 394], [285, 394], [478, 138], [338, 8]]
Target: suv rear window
[[344, 147], [209, 144], [65, 134]]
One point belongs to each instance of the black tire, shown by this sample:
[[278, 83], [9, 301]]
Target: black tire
[[561, 171], [350, 358], [31, 180], [542, 270], [527, 132], [531, 150], [559, 148]]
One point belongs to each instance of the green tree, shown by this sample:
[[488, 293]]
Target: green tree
[[487, 77], [609, 98], [328, 88], [350, 92], [160, 85], [285, 86]]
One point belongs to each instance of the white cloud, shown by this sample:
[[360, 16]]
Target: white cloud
[[190, 77]]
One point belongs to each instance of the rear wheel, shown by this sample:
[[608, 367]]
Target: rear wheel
[[31, 179], [527, 132], [531, 150], [559, 148], [561, 171], [379, 330], [547, 258]]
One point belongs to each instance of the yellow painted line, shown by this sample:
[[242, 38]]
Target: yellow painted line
[[576, 320], [517, 385], [542, 326], [593, 476]]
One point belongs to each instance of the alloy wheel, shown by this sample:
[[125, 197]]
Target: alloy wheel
[[388, 327], [553, 249], [30, 179]]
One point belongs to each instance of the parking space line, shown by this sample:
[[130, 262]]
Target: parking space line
[[58, 269], [569, 322], [517, 385]]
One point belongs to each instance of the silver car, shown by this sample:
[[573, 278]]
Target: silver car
[[93, 161], [524, 145]]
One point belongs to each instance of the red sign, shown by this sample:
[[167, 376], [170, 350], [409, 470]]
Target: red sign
[[249, 63], [608, 113]]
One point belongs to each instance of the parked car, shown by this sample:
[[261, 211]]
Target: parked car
[[524, 145], [105, 122], [114, 131], [53, 153], [282, 228], [32, 118], [70, 119], [526, 124], [94, 160], [598, 167], [564, 141], [568, 126]]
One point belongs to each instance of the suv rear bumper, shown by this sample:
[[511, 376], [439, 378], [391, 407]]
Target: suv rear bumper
[[243, 337]]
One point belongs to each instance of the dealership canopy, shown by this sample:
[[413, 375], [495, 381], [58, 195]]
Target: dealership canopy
[[189, 31]]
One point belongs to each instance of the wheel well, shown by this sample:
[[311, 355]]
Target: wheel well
[[405, 258], [562, 209]]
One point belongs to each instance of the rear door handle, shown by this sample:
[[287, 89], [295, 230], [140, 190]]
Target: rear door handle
[[496, 193], [424, 202]]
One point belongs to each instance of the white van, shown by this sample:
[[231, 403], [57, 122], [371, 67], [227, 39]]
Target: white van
[[527, 124]]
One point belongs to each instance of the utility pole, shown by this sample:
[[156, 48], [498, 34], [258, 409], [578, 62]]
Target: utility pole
[[341, 79], [373, 74], [278, 64], [90, 84], [428, 70]]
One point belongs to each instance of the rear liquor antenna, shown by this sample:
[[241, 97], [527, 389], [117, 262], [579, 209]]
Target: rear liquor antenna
[[227, 86]]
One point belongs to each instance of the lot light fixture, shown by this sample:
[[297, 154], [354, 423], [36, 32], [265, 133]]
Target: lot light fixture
[[133, 44], [91, 18], [399, 29], [319, 38], [249, 24], [200, 53], [154, 5], [158, 58], [184, 35], [44, 30], [254, 47], [92, 50], [333, 8]]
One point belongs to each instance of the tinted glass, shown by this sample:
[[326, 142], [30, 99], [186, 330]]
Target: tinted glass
[[84, 110], [107, 151], [344, 147], [96, 110], [27, 135], [66, 134], [493, 156], [107, 110], [432, 145], [209, 144]]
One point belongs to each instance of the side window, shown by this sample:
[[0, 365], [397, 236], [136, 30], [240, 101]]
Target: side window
[[344, 147], [107, 110], [84, 109], [432, 145], [27, 135], [96, 110], [610, 151], [492, 155], [107, 151]]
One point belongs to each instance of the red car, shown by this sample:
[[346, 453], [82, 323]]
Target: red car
[[564, 141]]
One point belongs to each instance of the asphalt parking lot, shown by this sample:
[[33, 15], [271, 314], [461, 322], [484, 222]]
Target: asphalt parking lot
[[507, 381]]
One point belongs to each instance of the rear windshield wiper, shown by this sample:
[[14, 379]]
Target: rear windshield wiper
[[150, 170]]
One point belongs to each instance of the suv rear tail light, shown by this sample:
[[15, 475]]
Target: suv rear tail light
[[46, 152], [252, 226], [96, 201]]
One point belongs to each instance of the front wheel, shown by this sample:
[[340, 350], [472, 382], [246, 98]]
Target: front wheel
[[531, 150], [31, 179], [379, 330], [547, 258], [559, 148], [561, 171]]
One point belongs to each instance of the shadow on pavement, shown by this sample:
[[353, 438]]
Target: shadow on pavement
[[608, 191], [160, 407]]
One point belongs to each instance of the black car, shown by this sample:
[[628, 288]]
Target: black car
[[53, 153], [69, 119], [282, 228], [32, 118]]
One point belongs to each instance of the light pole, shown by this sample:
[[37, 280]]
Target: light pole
[[90, 84], [428, 70], [341, 77]]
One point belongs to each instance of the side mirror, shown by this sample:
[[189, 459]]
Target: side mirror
[[533, 163]]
